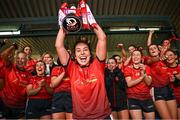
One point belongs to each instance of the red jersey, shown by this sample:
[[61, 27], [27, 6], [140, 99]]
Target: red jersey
[[176, 89], [30, 65], [159, 74], [122, 67], [1, 62], [64, 85], [139, 91], [42, 94], [88, 90], [2, 74], [14, 90]]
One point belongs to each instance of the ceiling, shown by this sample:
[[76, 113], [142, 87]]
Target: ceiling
[[37, 20]]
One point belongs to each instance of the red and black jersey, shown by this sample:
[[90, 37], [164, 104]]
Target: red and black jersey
[[176, 88], [14, 90], [88, 90], [42, 94], [159, 73], [139, 91], [65, 84]]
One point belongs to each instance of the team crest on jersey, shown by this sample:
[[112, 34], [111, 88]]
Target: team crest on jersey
[[88, 81], [83, 81], [137, 74]]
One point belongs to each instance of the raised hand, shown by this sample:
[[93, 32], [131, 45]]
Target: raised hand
[[120, 45], [8, 41], [151, 31]]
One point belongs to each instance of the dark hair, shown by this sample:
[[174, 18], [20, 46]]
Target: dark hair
[[138, 51], [42, 62], [59, 62], [114, 56], [132, 46], [66, 47], [113, 59], [140, 48], [173, 51], [164, 40], [27, 46]]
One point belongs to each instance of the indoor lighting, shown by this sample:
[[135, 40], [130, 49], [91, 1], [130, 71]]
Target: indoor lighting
[[10, 33], [149, 28], [122, 29]]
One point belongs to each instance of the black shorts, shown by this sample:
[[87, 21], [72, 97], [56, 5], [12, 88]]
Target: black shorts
[[37, 108], [164, 93], [178, 105], [1, 109], [13, 113], [120, 107], [144, 105], [62, 102]]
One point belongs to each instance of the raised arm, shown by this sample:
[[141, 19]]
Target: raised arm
[[61, 51], [124, 56], [149, 40], [101, 44], [127, 61], [5, 55]]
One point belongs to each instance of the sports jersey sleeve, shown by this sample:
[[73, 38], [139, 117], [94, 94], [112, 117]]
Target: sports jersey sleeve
[[102, 63], [148, 71], [71, 64], [30, 65], [1, 67], [2, 71], [127, 72], [48, 80], [146, 58], [1, 62], [56, 71]]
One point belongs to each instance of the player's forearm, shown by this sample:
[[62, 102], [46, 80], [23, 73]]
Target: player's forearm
[[61, 51], [56, 80], [101, 44]]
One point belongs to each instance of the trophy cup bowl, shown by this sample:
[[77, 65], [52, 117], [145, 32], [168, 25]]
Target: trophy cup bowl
[[72, 23]]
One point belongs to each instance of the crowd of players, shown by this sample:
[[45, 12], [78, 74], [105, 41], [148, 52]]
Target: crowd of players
[[82, 86]]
